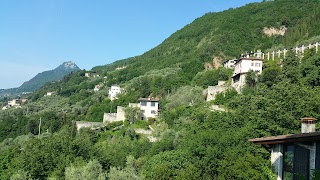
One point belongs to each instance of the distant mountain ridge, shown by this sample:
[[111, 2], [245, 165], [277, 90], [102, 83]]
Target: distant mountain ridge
[[44, 77]]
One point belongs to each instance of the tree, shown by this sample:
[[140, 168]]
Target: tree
[[92, 170], [271, 73], [129, 172], [251, 78], [132, 114], [290, 66], [165, 165], [186, 95], [310, 71], [19, 175]]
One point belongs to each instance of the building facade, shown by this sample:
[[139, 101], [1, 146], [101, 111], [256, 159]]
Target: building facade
[[294, 156], [114, 90], [149, 108], [242, 67], [14, 102], [229, 63]]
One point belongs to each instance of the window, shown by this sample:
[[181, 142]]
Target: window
[[252, 64], [153, 112], [288, 162], [153, 103], [258, 64], [143, 103], [295, 162]]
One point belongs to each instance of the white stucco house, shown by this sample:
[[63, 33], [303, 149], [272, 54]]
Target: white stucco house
[[114, 90], [294, 156], [14, 102], [229, 63], [50, 94], [149, 107], [242, 67]]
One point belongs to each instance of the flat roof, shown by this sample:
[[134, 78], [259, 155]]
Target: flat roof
[[251, 59], [149, 99], [281, 139]]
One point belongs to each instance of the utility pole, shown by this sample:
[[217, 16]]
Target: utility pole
[[39, 129]]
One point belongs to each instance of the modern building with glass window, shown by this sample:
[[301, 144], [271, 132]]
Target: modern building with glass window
[[294, 156]]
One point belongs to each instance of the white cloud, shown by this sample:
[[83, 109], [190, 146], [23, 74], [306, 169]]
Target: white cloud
[[14, 74]]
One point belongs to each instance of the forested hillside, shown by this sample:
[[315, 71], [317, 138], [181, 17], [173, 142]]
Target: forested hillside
[[192, 141], [226, 35]]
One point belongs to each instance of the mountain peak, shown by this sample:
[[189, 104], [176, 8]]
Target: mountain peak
[[48, 76], [69, 65]]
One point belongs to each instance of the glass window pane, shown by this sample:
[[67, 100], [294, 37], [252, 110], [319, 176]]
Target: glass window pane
[[288, 158], [143, 103]]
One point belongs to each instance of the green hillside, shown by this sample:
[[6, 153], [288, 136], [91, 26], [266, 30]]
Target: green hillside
[[226, 35], [191, 140]]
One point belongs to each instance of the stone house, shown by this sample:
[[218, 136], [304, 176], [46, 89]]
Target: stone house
[[294, 156], [242, 67]]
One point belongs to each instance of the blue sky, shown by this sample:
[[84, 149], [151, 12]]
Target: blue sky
[[39, 35]]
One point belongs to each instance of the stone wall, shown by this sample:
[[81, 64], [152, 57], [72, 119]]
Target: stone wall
[[85, 124], [120, 113], [214, 90], [109, 117]]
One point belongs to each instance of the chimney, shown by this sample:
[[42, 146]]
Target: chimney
[[308, 125]]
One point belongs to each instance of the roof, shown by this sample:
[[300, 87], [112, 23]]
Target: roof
[[149, 99], [226, 61], [251, 59], [308, 120], [302, 137]]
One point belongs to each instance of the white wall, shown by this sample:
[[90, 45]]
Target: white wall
[[242, 67], [84, 124], [114, 91], [277, 160], [229, 63], [110, 117], [245, 65], [148, 109]]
